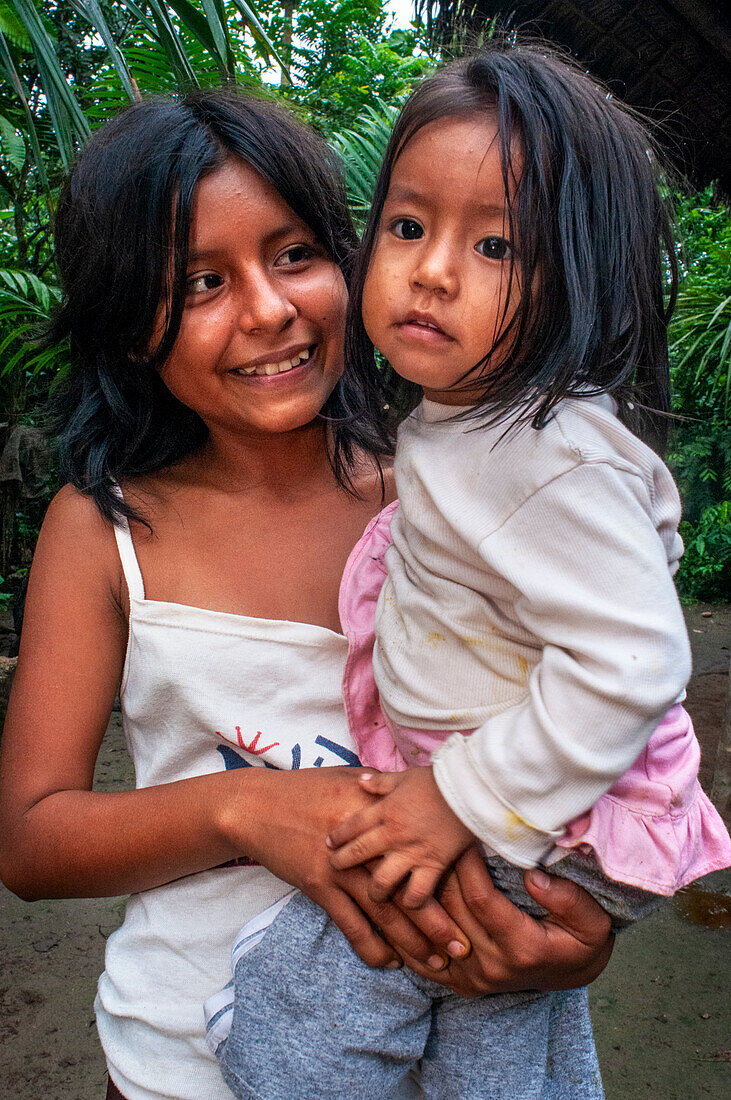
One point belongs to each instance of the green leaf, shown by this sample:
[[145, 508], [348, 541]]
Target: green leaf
[[13, 146], [92, 11], [68, 118], [7, 63], [12, 28], [173, 47], [260, 35]]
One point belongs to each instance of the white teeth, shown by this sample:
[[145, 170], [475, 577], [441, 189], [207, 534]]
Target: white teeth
[[277, 368]]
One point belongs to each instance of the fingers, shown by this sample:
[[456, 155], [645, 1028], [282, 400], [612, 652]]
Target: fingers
[[365, 845], [349, 830], [421, 886], [379, 782], [441, 930], [488, 906], [387, 876], [360, 933], [399, 930], [569, 906]]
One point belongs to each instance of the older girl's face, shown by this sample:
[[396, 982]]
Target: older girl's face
[[260, 346]]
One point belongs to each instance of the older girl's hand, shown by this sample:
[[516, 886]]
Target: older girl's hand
[[283, 825], [511, 950]]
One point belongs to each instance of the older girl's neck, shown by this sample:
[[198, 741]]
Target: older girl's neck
[[288, 462]]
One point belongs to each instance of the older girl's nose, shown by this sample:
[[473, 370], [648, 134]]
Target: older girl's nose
[[264, 306]]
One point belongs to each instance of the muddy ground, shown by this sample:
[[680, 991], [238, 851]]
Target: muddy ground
[[660, 1009]]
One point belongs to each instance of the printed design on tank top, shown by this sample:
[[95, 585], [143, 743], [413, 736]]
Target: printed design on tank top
[[232, 759]]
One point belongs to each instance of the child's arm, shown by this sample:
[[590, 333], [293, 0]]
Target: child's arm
[[590, 573], [411, 827], [592, 582]]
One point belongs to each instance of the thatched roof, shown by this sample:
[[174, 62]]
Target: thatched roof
[[670, 58]]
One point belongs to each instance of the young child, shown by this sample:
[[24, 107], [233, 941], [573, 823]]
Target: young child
[[530, 653]]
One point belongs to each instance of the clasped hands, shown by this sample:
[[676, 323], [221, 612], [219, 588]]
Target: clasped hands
[[472, 939], [410, 830]]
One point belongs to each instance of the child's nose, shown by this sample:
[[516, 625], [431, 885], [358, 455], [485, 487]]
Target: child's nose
[[436, 271]]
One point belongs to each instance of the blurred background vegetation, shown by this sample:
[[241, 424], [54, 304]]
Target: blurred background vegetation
[[66, 67]]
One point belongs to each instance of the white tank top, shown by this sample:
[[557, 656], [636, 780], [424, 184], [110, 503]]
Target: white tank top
[[202, 691]]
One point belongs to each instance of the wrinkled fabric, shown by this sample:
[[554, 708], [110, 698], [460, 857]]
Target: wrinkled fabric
[[312, 1020], [655, 828]]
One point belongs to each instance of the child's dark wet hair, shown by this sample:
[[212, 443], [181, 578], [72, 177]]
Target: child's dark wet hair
[[122, 247], [592, 232]]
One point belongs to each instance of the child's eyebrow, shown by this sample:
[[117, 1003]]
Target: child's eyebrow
[[399, 194]]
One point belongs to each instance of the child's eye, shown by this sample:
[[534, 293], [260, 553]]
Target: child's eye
[[406, 229], [296, 254], [494, 248], [199, 284]]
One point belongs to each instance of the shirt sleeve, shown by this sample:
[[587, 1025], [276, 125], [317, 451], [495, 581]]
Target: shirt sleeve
[[592, 581]]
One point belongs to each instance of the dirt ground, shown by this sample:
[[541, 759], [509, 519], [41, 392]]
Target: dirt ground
[[660, 1009]]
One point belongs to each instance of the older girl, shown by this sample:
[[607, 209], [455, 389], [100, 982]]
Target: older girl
[[221, 468]]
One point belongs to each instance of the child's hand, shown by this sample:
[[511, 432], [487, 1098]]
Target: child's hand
[[411, 827]]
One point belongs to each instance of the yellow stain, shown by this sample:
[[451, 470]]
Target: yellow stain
[[434, 637], [513, 822]]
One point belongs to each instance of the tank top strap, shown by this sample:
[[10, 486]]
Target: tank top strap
[[128, 557]]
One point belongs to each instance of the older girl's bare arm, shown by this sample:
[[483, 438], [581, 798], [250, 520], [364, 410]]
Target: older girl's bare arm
[[59, 838]]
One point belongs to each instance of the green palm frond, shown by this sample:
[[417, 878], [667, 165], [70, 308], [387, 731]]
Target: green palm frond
[[362, 151], [8, 66], [701, 336], [25, 302], [69, 122], [92, 12], [12, 27]]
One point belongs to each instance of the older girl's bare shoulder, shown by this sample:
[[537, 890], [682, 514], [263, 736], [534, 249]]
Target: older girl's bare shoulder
[[76, 541], [74, 515]]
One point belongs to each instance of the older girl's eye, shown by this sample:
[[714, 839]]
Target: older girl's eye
[[297, 254], [406, 229], [199, 284], [493, 248]]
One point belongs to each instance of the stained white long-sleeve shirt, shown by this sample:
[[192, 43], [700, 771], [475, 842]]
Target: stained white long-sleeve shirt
[[530, 597]]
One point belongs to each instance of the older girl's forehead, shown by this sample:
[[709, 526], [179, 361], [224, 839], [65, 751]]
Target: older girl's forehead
[[236, 203]]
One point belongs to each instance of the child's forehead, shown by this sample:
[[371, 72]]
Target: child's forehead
[[455, 158]]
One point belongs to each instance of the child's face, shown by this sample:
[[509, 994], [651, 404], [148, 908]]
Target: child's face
[[262, 294], [434, 301]]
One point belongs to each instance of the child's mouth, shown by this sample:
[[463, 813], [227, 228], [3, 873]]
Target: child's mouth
[[423, 327]]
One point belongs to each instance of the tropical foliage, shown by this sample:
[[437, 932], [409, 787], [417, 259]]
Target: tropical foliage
[[701, 354], [68, 65]]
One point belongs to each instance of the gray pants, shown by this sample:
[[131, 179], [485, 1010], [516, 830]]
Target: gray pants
[[312, 1022]]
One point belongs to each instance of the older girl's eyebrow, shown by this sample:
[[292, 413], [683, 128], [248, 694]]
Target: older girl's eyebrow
[[211, 249]]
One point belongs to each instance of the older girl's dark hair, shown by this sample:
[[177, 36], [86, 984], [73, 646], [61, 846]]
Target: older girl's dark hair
[[121, 236], [597, 262]]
